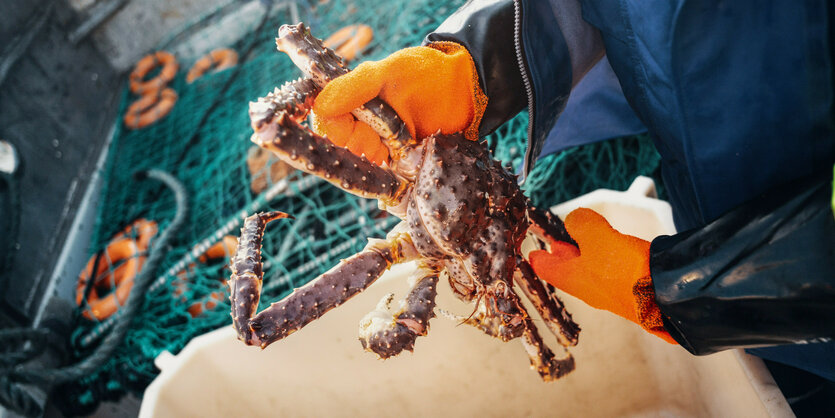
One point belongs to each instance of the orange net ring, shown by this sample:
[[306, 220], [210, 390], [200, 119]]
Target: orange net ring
[[225, 248], [148, 63], [350, 40], [221, 59], [150, 108], [110, 289]]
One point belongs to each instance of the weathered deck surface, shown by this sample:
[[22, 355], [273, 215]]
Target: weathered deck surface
[[57, 103]]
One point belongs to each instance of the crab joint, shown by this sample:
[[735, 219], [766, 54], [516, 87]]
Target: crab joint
[[331, 289]]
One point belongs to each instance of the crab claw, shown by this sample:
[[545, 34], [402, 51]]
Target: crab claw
[[247, 273], [388, 335]]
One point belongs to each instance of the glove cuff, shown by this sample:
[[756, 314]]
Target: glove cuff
[[647, 312], [479, 99]]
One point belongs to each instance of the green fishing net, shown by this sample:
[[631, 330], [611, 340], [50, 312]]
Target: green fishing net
[[204, 142]]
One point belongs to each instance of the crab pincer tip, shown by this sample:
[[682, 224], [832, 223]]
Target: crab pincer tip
[[273, 215]]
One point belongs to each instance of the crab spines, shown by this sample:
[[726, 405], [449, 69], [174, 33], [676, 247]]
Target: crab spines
[[245, 281], [549, 306], [324, 293], [388, 334], [294, 98], [331, 289], [316, 155], [248, 254], [322, 65], [309, 54], [451, 203]]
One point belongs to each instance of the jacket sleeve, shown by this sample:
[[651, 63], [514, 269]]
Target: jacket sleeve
[[527, 53], [762, 274]]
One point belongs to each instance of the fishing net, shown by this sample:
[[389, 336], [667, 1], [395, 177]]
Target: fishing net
[[204, 142]]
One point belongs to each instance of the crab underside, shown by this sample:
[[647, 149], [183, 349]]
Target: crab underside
[[462, 217]]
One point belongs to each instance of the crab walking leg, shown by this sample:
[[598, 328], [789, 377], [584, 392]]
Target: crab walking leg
[[502, 315], [245, 282], [542, 358], [547, 226], [316, 155], [549, 306], [388, 335], [331, 289], [276, 120], [295, 98], [323, 65], [310, 54]]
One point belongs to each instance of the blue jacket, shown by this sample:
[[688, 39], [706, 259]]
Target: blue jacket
[[738, 98]]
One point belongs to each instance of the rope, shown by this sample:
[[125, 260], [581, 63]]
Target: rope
[[38, 339], [12, 395]]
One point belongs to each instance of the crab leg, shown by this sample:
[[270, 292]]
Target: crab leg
[[549, 306], [547, 226], [245, 282], [501, 315], [323, 65], [387, 334], [276, 121], [542, 358], [295, 98], [316, 155], [311, 301]]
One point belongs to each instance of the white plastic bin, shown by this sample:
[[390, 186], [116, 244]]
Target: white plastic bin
[[458, 371]]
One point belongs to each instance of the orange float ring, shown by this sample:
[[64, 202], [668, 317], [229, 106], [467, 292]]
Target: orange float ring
[[225, 248], [221, 59], [141, 231], [150, 108], [350, 40], [126, 253], [148, 63]]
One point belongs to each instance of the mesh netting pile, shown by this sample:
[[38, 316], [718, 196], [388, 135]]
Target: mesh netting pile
[[204, 142]]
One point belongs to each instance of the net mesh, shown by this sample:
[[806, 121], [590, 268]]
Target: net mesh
[[204, 142]]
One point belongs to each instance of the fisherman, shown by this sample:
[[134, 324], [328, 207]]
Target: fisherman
[[738, 98]]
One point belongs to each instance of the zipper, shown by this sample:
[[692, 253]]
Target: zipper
[[526, 80]]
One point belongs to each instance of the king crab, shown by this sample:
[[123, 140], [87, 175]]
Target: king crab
[[462, 214]]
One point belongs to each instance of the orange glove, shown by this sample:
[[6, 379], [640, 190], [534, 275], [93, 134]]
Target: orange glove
[[431, 88], [611, 271]]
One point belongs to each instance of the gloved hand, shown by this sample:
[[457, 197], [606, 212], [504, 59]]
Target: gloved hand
[[611, 271], [431, 88]]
